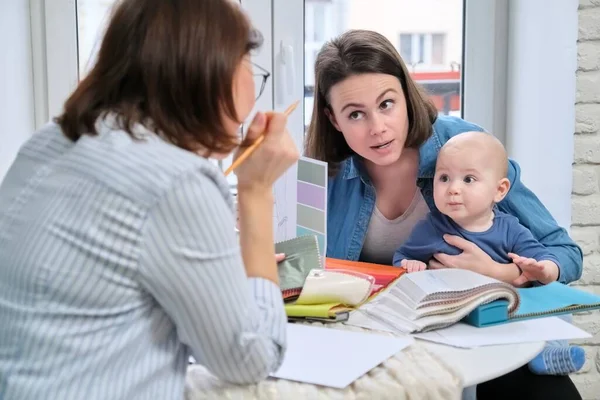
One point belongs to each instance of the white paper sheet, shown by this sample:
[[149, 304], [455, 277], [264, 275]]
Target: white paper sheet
[[334, 357], [533, 330]]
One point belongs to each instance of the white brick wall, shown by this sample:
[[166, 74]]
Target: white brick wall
[[586, 184]]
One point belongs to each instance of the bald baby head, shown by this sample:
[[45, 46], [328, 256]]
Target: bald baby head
[[479, 149], [470, 178]]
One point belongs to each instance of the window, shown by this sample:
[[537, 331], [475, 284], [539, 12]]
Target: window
[[406, 47], [422, 50], [320, 26], [433, 54], [318, 15], [437, 48], [92, 16]]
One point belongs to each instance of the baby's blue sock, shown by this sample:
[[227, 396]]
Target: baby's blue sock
[[558, 360]]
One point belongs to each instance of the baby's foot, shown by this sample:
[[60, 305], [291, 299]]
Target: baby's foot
[[558, 360]]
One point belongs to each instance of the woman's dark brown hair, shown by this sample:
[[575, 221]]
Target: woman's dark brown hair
[[352, 53], [169, 65]]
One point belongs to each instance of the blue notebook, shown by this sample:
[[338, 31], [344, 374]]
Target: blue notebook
[[536, 302]]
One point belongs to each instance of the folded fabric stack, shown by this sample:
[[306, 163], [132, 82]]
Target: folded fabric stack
[[326, 291]]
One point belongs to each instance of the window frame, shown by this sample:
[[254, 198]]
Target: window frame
[[484, 72], [55, 55]]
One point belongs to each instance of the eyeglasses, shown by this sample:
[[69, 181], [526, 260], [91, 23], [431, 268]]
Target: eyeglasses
[[259, 71]]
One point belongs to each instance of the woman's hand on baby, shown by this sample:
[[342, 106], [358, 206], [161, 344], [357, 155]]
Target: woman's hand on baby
[[471, 258], [544, 271], [279, 257], [413, 265], [272, 157]]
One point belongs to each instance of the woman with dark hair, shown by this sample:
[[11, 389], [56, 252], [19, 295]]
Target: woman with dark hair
[[118, 255], [381, 135]]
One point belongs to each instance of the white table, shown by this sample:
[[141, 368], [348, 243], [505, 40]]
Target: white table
[[482, 364], [475, 365], [423, 370]]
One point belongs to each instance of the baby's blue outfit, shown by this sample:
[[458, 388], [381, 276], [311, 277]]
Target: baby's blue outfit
[[506, 235]]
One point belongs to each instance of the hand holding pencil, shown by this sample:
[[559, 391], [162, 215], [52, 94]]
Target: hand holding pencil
[[269, 152]]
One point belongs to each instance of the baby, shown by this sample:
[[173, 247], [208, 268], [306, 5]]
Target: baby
[[470, 178]]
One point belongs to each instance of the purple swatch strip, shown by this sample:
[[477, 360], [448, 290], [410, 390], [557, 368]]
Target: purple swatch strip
[[311, 195]]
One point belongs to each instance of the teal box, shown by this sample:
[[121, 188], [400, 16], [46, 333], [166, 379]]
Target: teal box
[[488, 314]]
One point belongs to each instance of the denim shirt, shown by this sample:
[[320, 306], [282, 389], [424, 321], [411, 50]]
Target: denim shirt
[[351, 200]]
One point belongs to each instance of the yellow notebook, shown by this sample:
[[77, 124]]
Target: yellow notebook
[[332, 312], [328, 310]]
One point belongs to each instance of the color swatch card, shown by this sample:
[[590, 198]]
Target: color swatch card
[[311, 206]]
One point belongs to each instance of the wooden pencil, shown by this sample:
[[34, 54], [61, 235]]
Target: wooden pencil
[[256, 143]]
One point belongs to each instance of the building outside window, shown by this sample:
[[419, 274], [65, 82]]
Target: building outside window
[[427, 33]]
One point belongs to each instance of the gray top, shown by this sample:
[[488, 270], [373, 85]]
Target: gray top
[[384, 236]]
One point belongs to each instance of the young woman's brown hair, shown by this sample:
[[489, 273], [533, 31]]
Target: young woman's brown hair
[[352, 53], [170, 71]]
